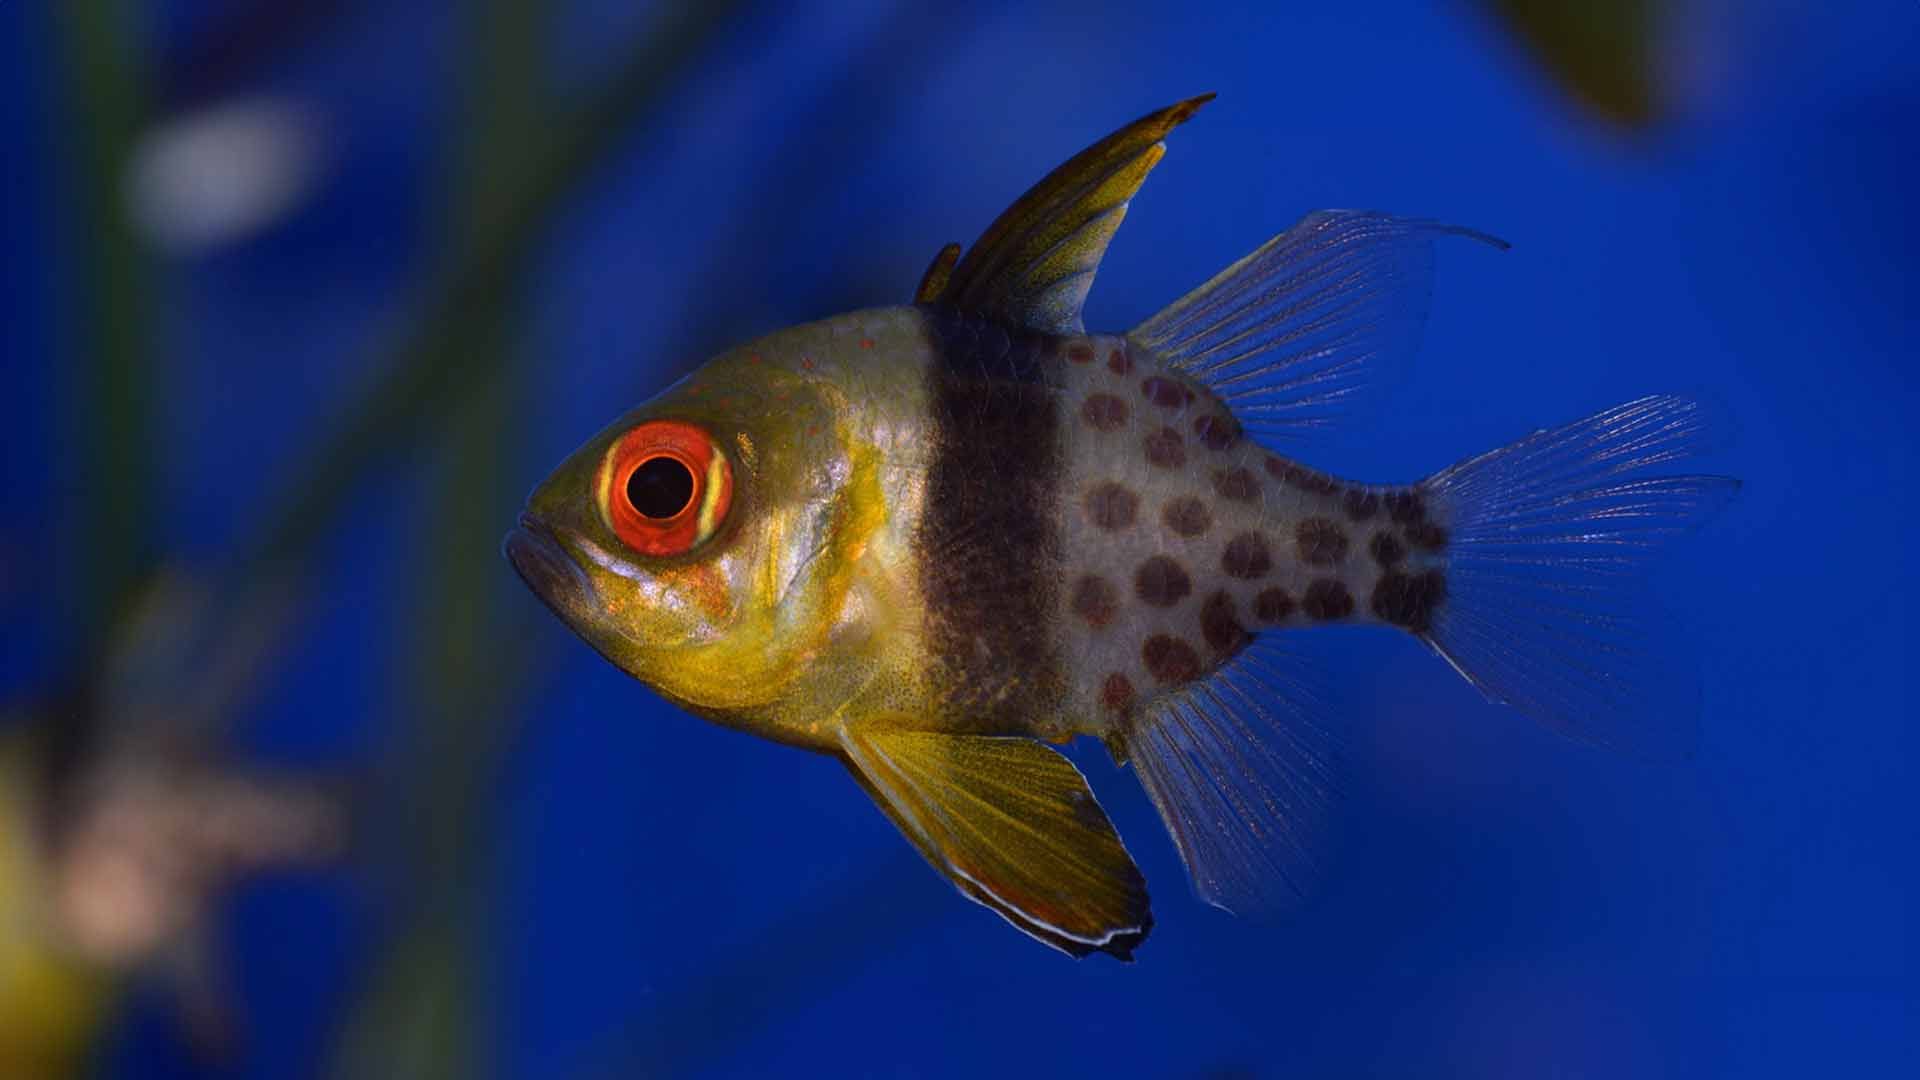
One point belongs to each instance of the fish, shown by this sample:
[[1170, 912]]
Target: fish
[[938, 540]]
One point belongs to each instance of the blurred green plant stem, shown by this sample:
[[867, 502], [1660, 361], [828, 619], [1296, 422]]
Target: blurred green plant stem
[[508, 173], [447, 379], [423, 376], [111, 387]]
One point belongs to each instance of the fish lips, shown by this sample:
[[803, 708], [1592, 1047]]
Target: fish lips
[[542, 561]]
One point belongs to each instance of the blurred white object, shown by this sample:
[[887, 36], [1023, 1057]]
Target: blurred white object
[[217, 175]]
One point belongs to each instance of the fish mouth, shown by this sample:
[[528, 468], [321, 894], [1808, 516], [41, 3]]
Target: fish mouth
[[541, 560]]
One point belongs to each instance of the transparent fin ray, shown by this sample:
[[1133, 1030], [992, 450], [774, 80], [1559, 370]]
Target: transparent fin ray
[[1013, 826], [1296, 335], [1033, 266], [1544, 536], [1243, 768]]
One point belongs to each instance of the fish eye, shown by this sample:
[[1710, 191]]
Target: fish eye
[[660, 487], [665, 487]]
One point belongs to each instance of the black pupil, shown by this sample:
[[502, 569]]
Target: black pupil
[[660, 488]]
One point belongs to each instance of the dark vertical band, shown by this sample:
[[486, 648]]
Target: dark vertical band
[[988, 543]]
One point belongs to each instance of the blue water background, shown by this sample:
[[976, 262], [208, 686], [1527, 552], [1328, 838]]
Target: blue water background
[[668, 896]]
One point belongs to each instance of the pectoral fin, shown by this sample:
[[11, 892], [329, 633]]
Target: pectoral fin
[[1033, 265], [1013, 826]]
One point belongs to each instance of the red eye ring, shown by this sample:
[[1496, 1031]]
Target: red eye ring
[[707, 481]]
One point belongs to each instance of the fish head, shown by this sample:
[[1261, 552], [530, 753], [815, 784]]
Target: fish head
[[686, 541]]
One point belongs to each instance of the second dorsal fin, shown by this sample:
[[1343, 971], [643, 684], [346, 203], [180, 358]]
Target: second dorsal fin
[[1033, 265]]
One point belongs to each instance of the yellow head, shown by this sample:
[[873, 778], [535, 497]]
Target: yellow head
[[708, 542]]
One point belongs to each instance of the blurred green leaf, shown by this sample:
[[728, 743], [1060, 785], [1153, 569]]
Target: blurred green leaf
[[111, 381], [420, 1019], [422, 375], [1601, 51]]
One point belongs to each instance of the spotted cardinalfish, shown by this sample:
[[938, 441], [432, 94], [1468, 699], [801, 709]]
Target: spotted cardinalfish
[[929, 540]]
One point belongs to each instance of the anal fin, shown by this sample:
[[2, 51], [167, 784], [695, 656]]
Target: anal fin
[[1242, 768], [1012, 824]]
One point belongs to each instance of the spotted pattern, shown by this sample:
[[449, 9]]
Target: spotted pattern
[[1163, 392], [1187, 516], [1216, 433], [1409, 600], [1161, 582], [1112, 506], [1320, 542], [1241, 541], [1103, 412], [1247, 557], [1170, 660], [1165, 450], [1220, 625], [1405, 507], [1273, 605], [1327, 599], [1387, 550]]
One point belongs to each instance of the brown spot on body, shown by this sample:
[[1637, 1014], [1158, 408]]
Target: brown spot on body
[[1320, 542], [1405, 507], [1187, 516], [1360, 505], [1272, 605], [1387, 550], [1163, 392], [1236, 484], [1119, 362], [1080, 353], [1327, 599], [1426, 536], [1216, 432], [1112, 506], [1221, 626], [1116, 692], [1165, 450], [1409, 600], [1103, 412], [1169, 659], [1300, 477], [1247, 557], [1095, 600], [1161, 582]]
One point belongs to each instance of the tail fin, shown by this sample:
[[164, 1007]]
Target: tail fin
[[1542, 535]]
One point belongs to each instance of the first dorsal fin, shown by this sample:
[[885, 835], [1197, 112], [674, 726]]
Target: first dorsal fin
[[939, 271], [1012, 825], [1033, 265]]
